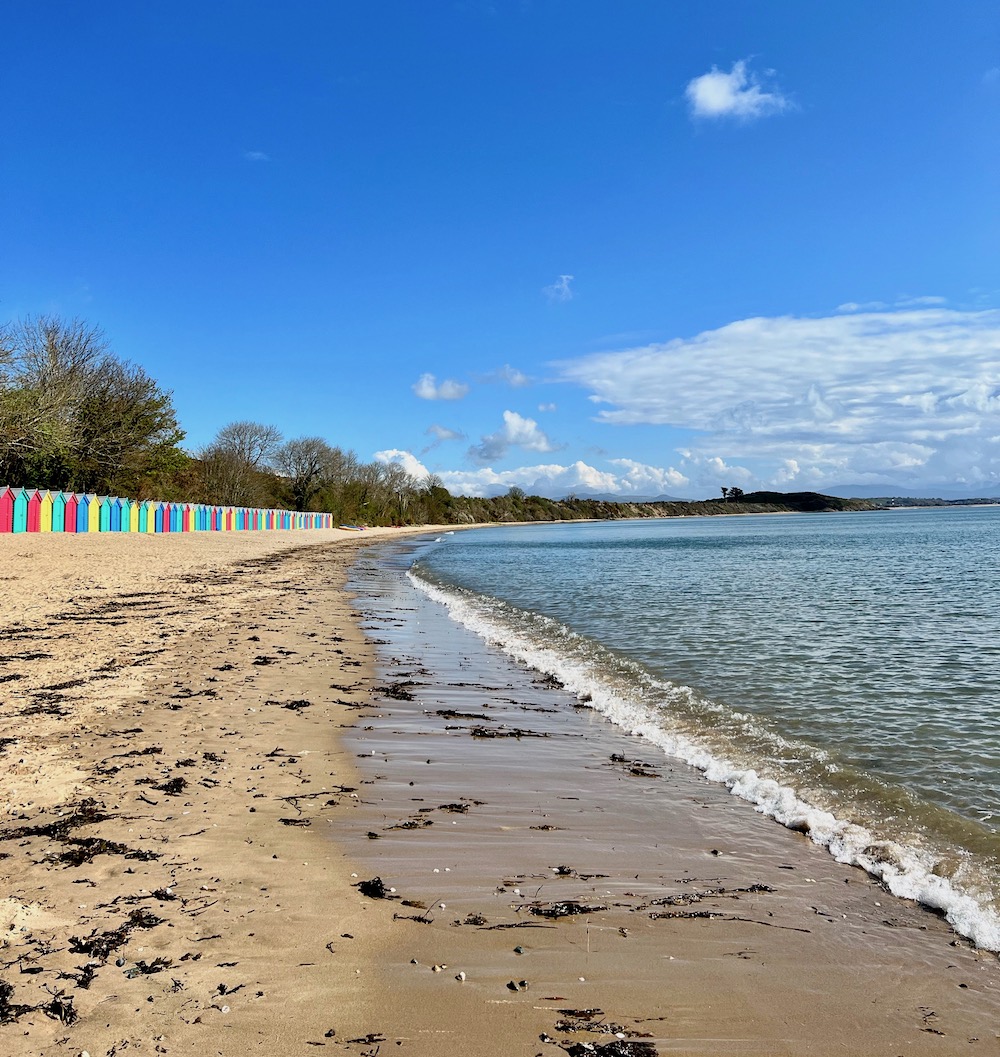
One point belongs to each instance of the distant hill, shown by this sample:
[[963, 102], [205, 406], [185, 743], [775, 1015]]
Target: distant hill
[[806, 501], [613, 497]]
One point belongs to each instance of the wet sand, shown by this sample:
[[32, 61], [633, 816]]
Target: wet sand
[[199, 769], [580, 886]]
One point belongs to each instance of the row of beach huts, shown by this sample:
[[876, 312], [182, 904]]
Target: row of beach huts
[[35, 510]]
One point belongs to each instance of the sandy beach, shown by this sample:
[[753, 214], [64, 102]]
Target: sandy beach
[[239, 818]]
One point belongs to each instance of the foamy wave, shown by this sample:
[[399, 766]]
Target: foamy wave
[[907, 872]]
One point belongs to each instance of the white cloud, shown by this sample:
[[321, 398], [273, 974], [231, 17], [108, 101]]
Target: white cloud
[[546, 407], [628, 478], [512, 376], [890, 396], [516, 432], [409, 462], [426, 388], [442, 433], [640, 479], [739, 93], [256, 155], [919, 302], [560, 291], [554, 480]]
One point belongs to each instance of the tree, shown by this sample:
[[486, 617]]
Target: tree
[[234, 466], [725, 494], [306, 464], [736, 494], [75, 417]]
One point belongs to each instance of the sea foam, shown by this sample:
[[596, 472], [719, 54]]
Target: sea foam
[[907, 872]]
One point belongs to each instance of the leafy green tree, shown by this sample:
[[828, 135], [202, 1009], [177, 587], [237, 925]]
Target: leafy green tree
[[75, 417]]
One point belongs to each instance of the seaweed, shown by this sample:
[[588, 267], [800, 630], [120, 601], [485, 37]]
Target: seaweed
[[101, 944], [172, 787], [396, 691], [143, 968], [505, 732], [374, 888], [83, 849], [564, 908], [10, 1011]]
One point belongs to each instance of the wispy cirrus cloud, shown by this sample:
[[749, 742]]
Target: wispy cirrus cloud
[[427, 388], [895, 396], [516, 432], [256, 155], [560, 291], [739, 94], [507, 375], [442, 433]]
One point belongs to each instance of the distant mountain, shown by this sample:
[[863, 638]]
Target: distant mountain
[[617, 497]]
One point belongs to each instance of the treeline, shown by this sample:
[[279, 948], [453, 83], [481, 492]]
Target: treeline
[[74, 417]]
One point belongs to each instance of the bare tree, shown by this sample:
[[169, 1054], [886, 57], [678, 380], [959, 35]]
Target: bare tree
[[307, 465], [233, 466]]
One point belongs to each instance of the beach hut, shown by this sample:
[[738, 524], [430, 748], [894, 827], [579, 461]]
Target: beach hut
[[45, 511], [83, 513], [114, 505], [58, 522], [133, 515], [70, 513], [94, 514], [19, 521], [104, 513], [6, 510], [34, 509]]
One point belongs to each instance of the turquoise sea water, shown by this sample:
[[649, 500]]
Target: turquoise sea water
[[839, 671]]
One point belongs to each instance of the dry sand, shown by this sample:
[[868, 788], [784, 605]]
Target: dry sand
[[187, 821]]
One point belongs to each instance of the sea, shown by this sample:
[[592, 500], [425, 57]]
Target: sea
[[838, 671]]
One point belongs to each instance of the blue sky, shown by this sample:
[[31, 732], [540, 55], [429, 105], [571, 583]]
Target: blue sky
[[633, 247]]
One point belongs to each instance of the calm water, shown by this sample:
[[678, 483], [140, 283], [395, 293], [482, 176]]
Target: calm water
[[839, 671]]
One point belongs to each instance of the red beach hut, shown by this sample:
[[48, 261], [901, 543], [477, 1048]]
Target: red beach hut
[[72, 503], [34, 511], [6, 510]]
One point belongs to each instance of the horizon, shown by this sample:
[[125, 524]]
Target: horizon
[[529, 243]]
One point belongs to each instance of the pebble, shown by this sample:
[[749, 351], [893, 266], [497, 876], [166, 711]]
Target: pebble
[[460, 977]]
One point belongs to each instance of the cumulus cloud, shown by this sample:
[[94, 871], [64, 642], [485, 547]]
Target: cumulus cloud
[[869, 396], [407, 460], [638, 478], [560, 292], [627, 478], [427, 388], [516, 432], [739, 94], [546, 407]]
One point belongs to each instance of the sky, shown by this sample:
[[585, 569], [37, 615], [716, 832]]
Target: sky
[[633, 248]]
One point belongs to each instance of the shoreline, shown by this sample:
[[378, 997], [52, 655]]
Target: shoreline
[[208, 702], [711, 928]]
